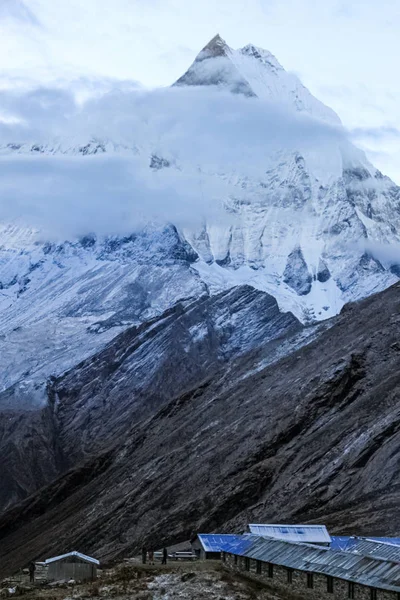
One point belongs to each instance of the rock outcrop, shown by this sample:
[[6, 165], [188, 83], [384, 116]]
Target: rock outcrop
[[144, 367]]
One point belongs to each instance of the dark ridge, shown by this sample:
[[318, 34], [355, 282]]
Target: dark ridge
[[312, 436]]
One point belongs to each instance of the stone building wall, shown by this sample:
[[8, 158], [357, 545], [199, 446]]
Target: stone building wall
[[294, 583]]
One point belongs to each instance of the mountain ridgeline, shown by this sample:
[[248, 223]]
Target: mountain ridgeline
[[197, 377]]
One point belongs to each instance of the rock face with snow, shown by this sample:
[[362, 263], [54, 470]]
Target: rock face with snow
[[132, 377], [61, 302], [324, 204], [296, 274], [304, 228]]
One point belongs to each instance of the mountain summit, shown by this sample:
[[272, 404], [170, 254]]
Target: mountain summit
[[215, 47], [254, 72], [214, 65]]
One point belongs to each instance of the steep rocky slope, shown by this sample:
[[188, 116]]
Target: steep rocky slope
[[92, 406], [314, 435], [60, 303]]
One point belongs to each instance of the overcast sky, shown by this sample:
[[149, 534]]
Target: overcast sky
[[345, 52]]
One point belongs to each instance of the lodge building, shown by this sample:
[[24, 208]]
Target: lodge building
[[303, 572]]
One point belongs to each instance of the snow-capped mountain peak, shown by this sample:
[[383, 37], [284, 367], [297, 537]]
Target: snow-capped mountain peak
[[215, 47], [299, 221], [254, 72], [215, 66]]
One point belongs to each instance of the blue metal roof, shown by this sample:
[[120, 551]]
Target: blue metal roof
[[366, 570], [240, 544], [212, 542], [369, 546], [316, 534], [341, 542]]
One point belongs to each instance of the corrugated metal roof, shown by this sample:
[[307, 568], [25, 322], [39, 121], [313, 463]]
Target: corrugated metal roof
[[78, 554], [361, 569], [385, 540], [385, 548], [212, 542], [380, 550], [317, 534], [346, 542]]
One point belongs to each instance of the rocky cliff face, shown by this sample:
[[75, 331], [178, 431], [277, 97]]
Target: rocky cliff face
[[88, 408], [312, 434]]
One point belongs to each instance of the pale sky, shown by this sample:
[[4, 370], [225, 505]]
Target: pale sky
[[345, 52]]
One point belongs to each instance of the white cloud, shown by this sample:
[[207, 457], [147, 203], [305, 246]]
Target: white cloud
[[67, 197], [387, 254], [334, 46], [342, 52], [201, 132]]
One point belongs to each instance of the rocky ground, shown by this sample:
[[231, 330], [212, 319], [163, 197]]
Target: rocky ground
[[185, 581]]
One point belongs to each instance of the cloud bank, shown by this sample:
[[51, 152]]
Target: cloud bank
[[156, 41], [199, 133], [387, 254]]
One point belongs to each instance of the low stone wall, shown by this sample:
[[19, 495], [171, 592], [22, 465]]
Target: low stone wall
[[294, 584]]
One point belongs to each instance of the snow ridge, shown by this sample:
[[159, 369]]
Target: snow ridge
[[301, 228], [253, 72]]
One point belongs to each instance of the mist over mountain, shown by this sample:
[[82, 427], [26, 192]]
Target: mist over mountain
[[45, 184], [161, 246], [237, 165]]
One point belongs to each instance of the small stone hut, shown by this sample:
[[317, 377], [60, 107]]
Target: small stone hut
[[73, 565]]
